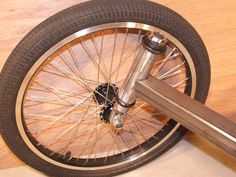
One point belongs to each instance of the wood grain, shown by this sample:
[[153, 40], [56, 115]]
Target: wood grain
[[213, 19]]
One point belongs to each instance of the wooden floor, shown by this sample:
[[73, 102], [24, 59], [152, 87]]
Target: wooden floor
[[213, 19]]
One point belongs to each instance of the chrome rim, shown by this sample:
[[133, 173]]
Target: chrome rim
[[56, 98]]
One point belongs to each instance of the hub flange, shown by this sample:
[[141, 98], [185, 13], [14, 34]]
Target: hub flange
[[105, 94]]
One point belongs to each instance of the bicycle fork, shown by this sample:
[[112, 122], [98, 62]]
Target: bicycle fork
[[153, 46], [190, 113]]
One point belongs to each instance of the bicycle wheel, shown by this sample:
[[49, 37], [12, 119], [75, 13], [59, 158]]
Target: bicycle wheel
[[54, 104]]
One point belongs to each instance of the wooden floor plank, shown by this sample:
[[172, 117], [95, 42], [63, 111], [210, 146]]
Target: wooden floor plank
[[213, 19]]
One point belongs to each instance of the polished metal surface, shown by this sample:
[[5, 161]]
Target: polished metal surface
[[190, 113], [53, 49], [140, 70]]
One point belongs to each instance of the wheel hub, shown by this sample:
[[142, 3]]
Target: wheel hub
[[105, 113], [105, 94]]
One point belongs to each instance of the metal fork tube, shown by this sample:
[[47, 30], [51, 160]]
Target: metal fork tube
[[139, 71], [190, 113], [153, 47]]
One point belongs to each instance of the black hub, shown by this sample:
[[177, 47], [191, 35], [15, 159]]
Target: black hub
[[105, 113], [102, 93]]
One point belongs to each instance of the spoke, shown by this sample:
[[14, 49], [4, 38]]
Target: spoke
[[115, 143], [74, 138], [96, 134], [86, 115], [133, 133], [56, 101], [100, 58], [67, 71], [113, 54], [136, 109], [95, 141], [125, 59], [76, 79], [145, 123], [169, 59], [138, 43], [71, 75], [178, 72], [62, 124], [35, 116], [164, 61], [81, 83], [171, 71], [66, 147], [150, 121], [45, 102], [120, 81], [67, 64], [64, 93], [75, 126], [80, 71], [61, 117], [92, 58], [93, 147], [138, 128], [41, 115], [180, 82], [112, 146], [56, 74], [40, 102], [102, 42], [157, 113], [122, 53], [139, 111], [123, 139], [106, 99], [88, 139], [30, 122], [68, 74], [111, 65], [52, 90], [101, 62], [39, 118], [87, 145]]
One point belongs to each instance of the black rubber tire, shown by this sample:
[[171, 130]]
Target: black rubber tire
[[67, 22]]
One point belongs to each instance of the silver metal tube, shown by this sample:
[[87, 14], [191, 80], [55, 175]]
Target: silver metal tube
[[140, 70]]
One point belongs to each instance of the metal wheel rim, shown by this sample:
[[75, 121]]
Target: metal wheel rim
[[71, 38]]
